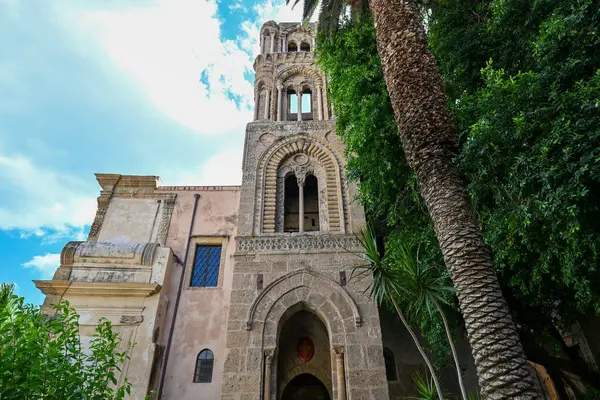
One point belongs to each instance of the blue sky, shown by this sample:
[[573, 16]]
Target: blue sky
[[133, 87]]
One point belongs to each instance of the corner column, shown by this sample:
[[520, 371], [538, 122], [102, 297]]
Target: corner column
[[272, 42], [267, 384], [267, 102], [256, 100], [320, 103], [338, 351], [299, 98], [262, 44], [300, 203], [279, 95]]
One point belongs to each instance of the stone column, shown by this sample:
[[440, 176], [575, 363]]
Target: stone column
[[284, 48], [267, 103], [299, 96], [256, 104], [338, 351], [262, 44], [272, 42], [300, 205], [279, 95], [268, 362], [320, 103]]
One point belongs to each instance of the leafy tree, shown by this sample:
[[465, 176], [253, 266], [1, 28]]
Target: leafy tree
[[429, 138], [529, 142], [42, 357]]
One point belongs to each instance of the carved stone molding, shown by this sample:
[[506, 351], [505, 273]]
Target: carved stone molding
[[131, 319], [293, 242], [100, 289], [168, 201], [273, 294]]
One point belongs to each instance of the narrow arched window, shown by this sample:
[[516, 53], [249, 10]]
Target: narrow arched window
[[204, 367], [292, 47], [304, 46], [311, 204], [291, 212], [390, 365]]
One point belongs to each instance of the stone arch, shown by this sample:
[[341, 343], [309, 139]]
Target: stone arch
[[303, 288], [311, 73], [267, 175]]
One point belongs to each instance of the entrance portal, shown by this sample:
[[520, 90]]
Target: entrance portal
[[304, 357], [305, 387]]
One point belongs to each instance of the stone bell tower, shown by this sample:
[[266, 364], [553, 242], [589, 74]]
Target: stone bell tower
[[297, 325]]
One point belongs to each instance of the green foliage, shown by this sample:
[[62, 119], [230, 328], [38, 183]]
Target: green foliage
[[522, 77], [365, 122], [42, 357], [424, 387]]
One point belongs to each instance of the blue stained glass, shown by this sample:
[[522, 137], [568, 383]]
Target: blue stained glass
[[206, 266]]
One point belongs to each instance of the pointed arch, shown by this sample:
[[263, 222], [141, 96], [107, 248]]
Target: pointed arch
[[266, 212], [321, 294]]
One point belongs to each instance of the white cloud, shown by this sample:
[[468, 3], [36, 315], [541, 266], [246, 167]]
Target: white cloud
[[223, 168], [35, 199], [165, 46], [46, 264]]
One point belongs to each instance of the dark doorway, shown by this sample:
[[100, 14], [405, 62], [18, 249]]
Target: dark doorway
[[305, 387]]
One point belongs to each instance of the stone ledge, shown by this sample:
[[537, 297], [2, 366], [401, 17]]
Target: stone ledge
[[100, 289], [290, 243]]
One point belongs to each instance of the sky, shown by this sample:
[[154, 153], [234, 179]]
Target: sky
[[146, 87]]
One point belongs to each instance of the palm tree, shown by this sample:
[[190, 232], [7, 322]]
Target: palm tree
[[386, 288], [428, 133], [424, 288]]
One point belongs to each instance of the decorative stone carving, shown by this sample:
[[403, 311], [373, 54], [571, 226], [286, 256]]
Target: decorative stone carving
[[320, 283], [267, 174], [285, 243], [131, 319], [165, 219]]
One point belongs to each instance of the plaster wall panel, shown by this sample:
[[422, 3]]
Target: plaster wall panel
[[129, 221], [201, 321]]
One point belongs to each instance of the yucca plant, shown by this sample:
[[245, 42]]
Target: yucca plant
[[386, 287], [425, 387], [425, 288]]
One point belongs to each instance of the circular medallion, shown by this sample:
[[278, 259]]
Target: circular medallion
[[306, 349], [301, 159]]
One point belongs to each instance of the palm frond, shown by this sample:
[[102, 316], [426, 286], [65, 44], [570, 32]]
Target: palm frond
[[309, 10]]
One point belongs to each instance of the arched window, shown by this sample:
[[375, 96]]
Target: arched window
[[292, 47], [311, 204], [390, 365], [304, 46], [307, 105], [291, 211], [204, 367]]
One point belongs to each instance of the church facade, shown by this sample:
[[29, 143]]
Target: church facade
[[244, 292]]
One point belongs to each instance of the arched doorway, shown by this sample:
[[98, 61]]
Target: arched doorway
[[303, 349], [305, 387]]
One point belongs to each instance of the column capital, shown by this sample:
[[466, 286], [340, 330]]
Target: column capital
[[269, 355], [338, 352], [279, 86]]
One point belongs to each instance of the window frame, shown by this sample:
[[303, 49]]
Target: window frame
[[197, 241], [197, 376]]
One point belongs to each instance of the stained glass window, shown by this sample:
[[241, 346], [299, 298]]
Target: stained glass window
[[204, 367], [206, 266]]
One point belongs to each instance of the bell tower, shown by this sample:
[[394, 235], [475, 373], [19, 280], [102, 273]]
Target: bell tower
[[296, 320]]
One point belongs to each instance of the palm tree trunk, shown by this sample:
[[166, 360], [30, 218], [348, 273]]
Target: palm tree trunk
[[429, 138], [463, 391], [438, 388]]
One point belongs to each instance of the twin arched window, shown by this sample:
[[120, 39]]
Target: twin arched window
[[204, 367]]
